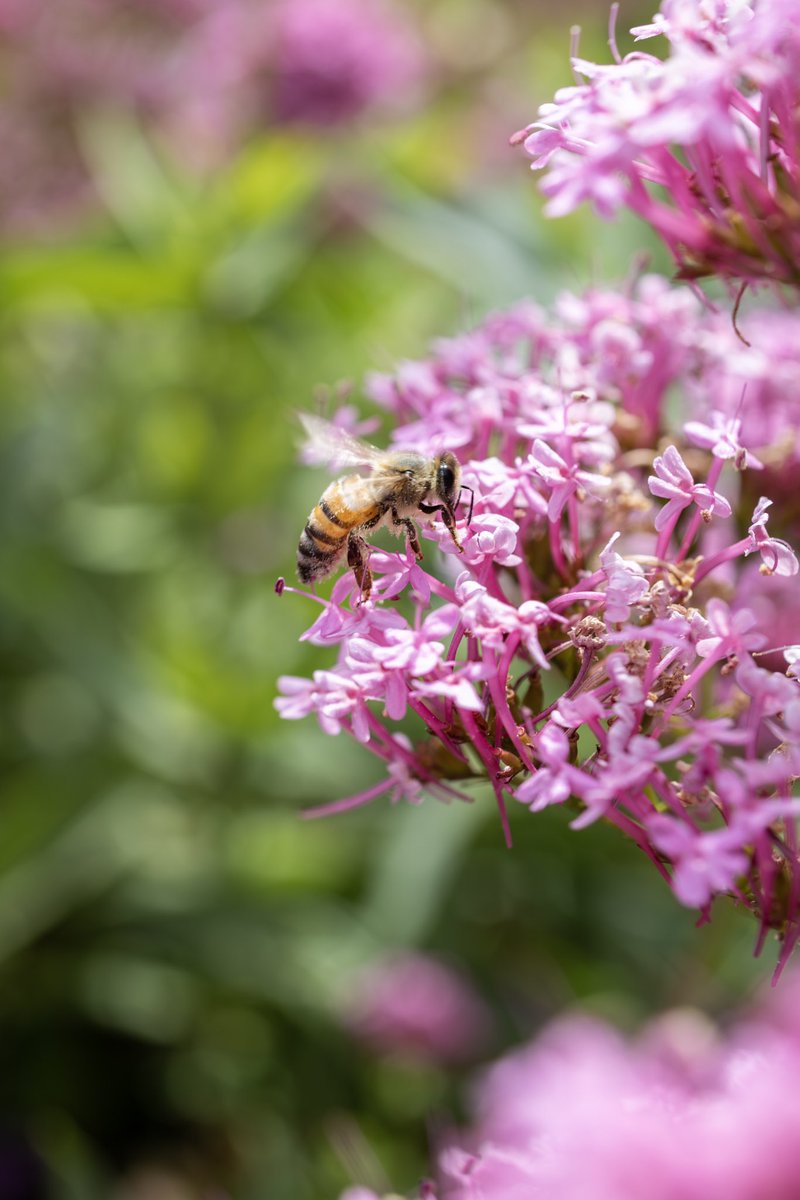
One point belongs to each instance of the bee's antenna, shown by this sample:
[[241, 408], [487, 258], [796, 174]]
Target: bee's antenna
[[466, 488]]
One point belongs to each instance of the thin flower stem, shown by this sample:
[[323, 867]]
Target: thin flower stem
[[486, 756], [497, 688], [731, 552], [559, 561], [340, 806]]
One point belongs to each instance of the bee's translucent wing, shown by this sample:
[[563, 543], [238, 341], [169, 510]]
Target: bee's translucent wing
[[333, 446]]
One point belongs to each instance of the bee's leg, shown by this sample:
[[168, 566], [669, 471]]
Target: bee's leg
[[411, 532], [448, 519], [357, 558]]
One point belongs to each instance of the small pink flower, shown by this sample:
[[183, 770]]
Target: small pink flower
[[490, 536], [722, 437], [626, 583], [777, 556], [705, 863], [562, 479], [731, 632], [553, 782], [457, 686], [673, 482]]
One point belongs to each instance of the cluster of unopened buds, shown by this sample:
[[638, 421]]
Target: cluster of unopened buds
[[592, 645]]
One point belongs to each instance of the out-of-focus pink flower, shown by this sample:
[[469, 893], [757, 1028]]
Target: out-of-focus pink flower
[[705, 863], [202, 75], [773, 599], [414, 1006], [680, 1114], [758, 383], [722, 436], [60, 64], [336, 58], [249, 66]]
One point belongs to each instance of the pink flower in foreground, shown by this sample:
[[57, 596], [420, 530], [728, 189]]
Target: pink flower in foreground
[[562, 479], [587, 648], [680, 1114], [704, 145], [334, 59]]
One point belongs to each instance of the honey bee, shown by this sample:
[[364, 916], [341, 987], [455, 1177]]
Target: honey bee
[[399, 485]]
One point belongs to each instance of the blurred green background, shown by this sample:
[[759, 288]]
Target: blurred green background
[[176, 946]]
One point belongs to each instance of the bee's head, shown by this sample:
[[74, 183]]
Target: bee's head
[[448, 480]]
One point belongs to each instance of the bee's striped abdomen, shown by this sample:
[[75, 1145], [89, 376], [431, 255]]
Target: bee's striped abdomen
[[325, 536], [321, 546]]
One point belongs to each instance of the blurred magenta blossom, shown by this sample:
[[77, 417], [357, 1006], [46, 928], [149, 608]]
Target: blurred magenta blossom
[[415, 1007], [682, 1112], [251, 64], [591, 646], [334, 60], [704, 145], [201, 75]]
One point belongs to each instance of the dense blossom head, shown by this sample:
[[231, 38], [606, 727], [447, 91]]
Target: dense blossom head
[[590, 646], [704, 144]]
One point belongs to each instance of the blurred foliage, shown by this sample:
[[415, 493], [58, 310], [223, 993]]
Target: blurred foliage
[[175, 943]]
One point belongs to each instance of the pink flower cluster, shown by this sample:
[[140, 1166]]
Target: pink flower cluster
[[704, 145], [589, 647], [679, 1114]]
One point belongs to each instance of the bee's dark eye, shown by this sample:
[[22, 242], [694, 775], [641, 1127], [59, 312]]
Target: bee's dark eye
[[447, 479]]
